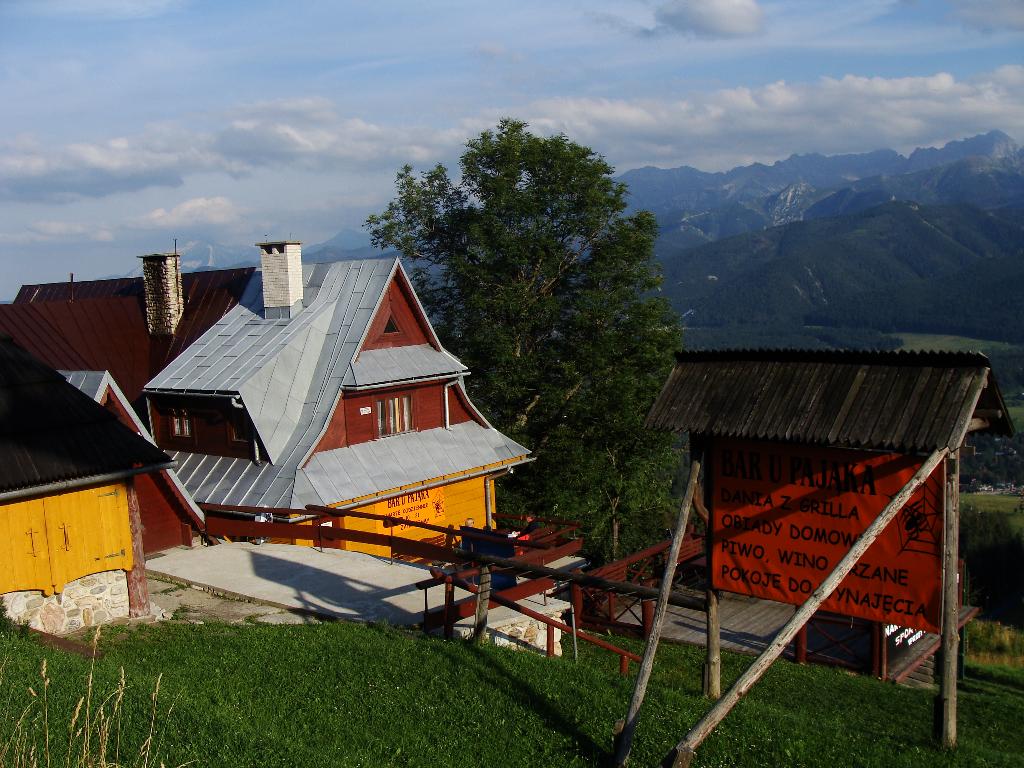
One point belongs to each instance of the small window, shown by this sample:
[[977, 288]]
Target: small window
[[394, 415], [391, 326], [238, 426], [181, 424]]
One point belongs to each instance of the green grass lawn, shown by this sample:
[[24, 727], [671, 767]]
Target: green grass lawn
[[1016, 416], [351, 695], [998, 503]]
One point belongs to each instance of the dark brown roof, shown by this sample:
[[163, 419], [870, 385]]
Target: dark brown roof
[[50, 431], [103, 327], [904, 401]]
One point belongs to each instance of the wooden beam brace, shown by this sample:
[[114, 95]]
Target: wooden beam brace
[[624, 739], [682, 754]]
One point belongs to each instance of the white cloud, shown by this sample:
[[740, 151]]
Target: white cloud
[[49, 231], [197, 212], [735, 126], [312, 134], [711, 18], [159, 158], [711, 130], [990, 15]]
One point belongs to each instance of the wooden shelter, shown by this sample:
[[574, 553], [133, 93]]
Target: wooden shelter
[[69, 513], [828, 476]]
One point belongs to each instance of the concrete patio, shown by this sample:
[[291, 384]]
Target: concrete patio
[[329, 584]]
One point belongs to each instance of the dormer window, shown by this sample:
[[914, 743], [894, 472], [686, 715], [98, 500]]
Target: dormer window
[[394, 415], [391, 327], [181, 424], [238, 426]]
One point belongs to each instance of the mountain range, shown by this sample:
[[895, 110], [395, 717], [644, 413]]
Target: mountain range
[[849, 250], [695, 207]]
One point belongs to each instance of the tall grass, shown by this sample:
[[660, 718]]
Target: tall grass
[[990, 642], [30, 736]]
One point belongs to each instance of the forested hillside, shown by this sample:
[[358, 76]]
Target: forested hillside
[[956, 268]]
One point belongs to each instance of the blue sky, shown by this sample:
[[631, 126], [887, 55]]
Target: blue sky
[[127, 123]]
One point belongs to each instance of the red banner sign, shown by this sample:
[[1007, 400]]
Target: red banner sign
[[784, 515]]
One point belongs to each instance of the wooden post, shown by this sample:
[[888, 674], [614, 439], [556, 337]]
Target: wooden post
[[449, 609], [945, 710], [576, 593], [883, 652], [647, 616], [801, 645], [713, 655], [483, 601], [712, 678], [624, 739], [488, 503], [138, 589], [682, 754]]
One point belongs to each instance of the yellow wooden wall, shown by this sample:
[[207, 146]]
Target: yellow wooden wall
[[446, 505], [47, 542]]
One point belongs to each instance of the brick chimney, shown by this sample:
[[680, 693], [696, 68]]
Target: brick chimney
[[282, 278], [161, 277]]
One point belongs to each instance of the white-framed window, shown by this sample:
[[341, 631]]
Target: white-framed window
[[181, 424], [394, 415]]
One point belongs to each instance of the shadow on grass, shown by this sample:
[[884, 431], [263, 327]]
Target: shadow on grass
[[491, 671], [992, 677]]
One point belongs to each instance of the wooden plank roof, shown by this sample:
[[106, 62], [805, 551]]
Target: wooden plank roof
[[51, 432], [903, 401]]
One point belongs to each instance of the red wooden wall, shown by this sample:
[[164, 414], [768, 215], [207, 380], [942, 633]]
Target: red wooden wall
[[163, 523], [166, 522], [399, 305], [211, 426]]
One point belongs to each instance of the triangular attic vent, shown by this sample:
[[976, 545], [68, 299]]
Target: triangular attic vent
[[391, 326]]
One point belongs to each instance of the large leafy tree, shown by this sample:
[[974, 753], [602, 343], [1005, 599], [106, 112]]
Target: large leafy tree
[[538, 281]]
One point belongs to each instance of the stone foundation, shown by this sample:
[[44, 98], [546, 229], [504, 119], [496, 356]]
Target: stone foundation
[[525, 633], [512, 629], [85, 602]]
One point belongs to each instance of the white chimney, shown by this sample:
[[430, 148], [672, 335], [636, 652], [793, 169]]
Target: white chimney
[[161, 279], [282, 278]]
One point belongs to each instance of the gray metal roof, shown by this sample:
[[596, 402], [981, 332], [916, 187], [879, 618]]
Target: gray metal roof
[[399, 460], [343, 474], [287, 372], [92, 383], [903, 401], [422, 361]]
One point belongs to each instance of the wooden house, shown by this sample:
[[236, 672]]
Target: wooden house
[[327, 385], [70, 531]]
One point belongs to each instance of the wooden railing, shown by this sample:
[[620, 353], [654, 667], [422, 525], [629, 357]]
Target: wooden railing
[[450, 616], [603, 610], [551, 542]]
